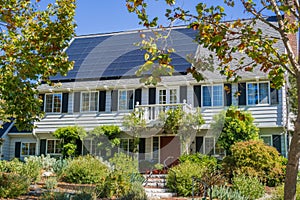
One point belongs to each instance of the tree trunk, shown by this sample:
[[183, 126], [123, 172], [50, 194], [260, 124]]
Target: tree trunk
[[293, 155]]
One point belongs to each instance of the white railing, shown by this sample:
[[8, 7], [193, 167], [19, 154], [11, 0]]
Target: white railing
[[151, 112]]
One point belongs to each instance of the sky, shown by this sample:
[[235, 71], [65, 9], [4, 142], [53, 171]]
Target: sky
[[105, 16]]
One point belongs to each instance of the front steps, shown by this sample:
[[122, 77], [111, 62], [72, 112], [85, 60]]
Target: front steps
[[155, 187]]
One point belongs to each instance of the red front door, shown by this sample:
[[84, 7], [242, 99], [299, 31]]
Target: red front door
[[169, 148]]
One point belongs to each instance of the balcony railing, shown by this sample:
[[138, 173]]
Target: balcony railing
[[151, 112]]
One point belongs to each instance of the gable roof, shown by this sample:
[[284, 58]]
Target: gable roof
[[114, 55]]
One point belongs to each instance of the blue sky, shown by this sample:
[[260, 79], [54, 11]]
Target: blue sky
[[104, 16]]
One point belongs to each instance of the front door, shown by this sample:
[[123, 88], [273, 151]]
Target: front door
[[169, 149]]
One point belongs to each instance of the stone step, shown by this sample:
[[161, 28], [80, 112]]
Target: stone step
[[153, 193]]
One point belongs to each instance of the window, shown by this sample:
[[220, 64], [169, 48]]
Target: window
[[127, 145], [53, 146], [155, 149], [28, 149], [53, 103], [126, 99], [89, 101], [258, 93], [209, 145], [212, 95], [267, 139]]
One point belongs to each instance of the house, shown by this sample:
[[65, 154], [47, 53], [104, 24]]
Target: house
[[102, 88]]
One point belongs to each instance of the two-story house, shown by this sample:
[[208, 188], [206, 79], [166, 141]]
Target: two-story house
[[102, 88]]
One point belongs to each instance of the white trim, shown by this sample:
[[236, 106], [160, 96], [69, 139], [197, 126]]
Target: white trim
[[168, 89], [258, 90], [81, 101], [55, 146], [52, 107], [127, 100], [35, 150], [212, 95]]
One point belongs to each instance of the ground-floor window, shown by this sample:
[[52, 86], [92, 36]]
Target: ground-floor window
[[28, 149], [127, 145], [208, 145], [155, 149], [267, 139], [53, 146]]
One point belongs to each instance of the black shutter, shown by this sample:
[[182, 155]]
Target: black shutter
[[138, 96], [18, 149], [152, 96], [130, 103], [274, 96], [102, 100], [78, 147], [142, 148], [65, 99], [277, 142], [199, 143], [114, 100], [76, 102], [43, 143], [197, 95], [242, 93], [227, 94], [183, 93], [42, 97]]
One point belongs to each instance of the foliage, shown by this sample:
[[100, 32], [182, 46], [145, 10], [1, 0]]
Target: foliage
[[179, 178], [254, 158], [204, 160], [60, 166], [85, 169], [111, 132], [45, 162], [224, 193], [136, 192], [51, 183], [277, 194], [234, 126], [70, 135], [13, 184], [248, 186], [124, 163], [32, 43]]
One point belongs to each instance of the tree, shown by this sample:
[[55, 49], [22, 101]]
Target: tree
[[227, 39], [235, 126], [32, 43], [70, 137]]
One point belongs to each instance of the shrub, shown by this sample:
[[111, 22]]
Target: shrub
[[85, 169], [59, 167], [225, 193], [204, 160], [124, 163], [278, 193], [254, 158], [33, 168], [13, 185], [51, 183], [136, 192], [248, 186], [179, 178]]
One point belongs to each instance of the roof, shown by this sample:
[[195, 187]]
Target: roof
[[114, 55]]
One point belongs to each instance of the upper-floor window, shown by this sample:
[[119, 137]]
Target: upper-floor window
[[53, 103], [89, 101], [212, 95], [28, 149], [168, 96], [126, 99], [258, 93]]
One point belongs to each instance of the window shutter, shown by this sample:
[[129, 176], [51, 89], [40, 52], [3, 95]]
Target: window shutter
[[43, 143], [152, 96], [274, 96], [65, 99], [277, 142], [130, 102], [243, 95], [76, 102], [18, 149], [199, 144], [42, 97], [142, 148], [138, 96], [102, 100], [197, 95], [114, 100], [227, 94], [183, 93]]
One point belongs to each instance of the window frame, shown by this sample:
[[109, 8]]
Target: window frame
[[89, 102], [55, 147], [127, 99], [129, 142], [212, 95], [28, 149], [267, 136], [167, 95], [258, 93], [53, 102]]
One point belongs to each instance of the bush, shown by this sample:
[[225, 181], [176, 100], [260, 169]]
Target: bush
[[51, 183], [124, 163], [204, 160], [13, 185], [179, 178], [85, 169], [254, 158], [278, 193], [225, 193], [60, 166], [248, 186], [136, 192]]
